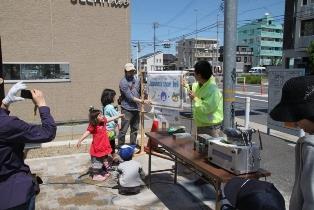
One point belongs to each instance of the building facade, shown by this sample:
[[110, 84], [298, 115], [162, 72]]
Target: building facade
[[265, 36], [298, 32], [244, 57], [146, 62], [169, 62], [189, 51], [69, 49]]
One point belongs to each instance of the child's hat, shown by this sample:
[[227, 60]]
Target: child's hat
[[297, 100], [126, 151], [248, 194]]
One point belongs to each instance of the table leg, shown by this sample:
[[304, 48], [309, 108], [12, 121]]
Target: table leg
[[218, 195], [149, 163], [175, 170]]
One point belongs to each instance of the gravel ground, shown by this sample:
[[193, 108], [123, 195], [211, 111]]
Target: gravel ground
[[56, 151]]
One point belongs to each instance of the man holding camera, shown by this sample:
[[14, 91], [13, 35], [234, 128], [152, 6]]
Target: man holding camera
[[17, 186]]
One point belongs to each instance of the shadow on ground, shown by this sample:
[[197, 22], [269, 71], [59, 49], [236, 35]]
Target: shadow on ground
[[169, 194]]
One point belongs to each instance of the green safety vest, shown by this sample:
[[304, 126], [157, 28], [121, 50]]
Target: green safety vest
[[208, 106]]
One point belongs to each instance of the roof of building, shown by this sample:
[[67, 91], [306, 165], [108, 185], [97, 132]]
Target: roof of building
[[149, 55], [169, 57]]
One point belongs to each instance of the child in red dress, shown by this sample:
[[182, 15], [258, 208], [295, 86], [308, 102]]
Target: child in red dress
[[100, 147]]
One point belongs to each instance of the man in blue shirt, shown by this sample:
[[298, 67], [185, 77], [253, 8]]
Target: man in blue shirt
[[16, 182], [130, 88]]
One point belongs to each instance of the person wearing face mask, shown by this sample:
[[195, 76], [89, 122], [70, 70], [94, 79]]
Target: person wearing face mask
[[130, 89]]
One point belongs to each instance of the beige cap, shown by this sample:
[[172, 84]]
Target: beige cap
[[129, 67]]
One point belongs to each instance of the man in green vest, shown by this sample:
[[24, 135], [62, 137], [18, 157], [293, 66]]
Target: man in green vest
[[207, 101]]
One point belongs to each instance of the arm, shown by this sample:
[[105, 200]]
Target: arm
[[307, 176], [20, 131], [109, 119], [129, 94], [210, 103], [85, 134]]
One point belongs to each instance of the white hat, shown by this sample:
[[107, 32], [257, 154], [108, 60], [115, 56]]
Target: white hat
[[129, 67]]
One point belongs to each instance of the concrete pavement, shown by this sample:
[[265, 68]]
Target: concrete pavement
[[63, 190]]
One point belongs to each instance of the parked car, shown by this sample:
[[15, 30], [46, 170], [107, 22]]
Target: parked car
[[257, 70]]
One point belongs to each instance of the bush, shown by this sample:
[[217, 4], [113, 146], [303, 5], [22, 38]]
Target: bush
[[251, 79]]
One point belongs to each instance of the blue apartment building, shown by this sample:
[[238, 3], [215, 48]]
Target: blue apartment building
[[265, 37]]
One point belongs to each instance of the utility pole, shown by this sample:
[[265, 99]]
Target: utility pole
[[195, 43], [155, 25], [137, 53], [230, 34], [217, 40]]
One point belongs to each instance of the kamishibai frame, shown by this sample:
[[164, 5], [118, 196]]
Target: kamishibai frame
[[165, 89]]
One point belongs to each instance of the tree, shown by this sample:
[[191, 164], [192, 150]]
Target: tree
[[310, 51]]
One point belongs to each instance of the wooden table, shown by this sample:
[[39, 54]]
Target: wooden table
[[182, 150]]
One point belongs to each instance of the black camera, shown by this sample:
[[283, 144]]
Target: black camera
[[26, 94]]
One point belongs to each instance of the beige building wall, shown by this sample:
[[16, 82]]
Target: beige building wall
[[94, 38]]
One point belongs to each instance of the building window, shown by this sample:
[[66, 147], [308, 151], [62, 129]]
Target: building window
[[36, 71], [238, 59], [307, 27], [304, 2], [245, 59]]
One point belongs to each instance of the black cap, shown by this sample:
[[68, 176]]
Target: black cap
[[252, 194], [297, 100]]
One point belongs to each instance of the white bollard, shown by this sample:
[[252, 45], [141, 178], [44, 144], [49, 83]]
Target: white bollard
[[247, 112]]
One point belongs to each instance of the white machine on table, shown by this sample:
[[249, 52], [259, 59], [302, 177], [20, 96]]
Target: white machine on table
[[236, 152]]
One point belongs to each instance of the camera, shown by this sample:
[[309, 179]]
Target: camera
[[26, 94]]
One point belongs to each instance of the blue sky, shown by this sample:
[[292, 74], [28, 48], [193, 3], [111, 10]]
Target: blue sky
[[178, 17]]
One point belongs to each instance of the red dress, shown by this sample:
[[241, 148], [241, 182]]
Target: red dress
[[100, 145]]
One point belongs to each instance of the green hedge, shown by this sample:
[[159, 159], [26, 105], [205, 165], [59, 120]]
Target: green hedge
[[251, 79]]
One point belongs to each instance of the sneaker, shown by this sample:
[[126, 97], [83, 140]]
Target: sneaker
[[106, 165], [136, 150], [101, 177]]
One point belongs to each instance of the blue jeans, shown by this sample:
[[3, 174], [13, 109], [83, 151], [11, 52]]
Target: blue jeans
[[131, 119]]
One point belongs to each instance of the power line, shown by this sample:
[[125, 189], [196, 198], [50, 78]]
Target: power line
[[181, 12]]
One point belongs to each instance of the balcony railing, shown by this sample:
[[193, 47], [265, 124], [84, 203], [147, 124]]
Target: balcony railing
[[271, 43], [270, 53], [271, 34], [206, 54]]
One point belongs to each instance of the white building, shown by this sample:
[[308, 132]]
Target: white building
[[147, 63]]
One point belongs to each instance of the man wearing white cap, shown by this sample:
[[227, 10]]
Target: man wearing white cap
[[130, 88]]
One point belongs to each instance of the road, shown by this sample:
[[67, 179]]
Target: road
[[258, 105]]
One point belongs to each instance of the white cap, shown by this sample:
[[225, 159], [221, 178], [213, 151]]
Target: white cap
[[129, 67]]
